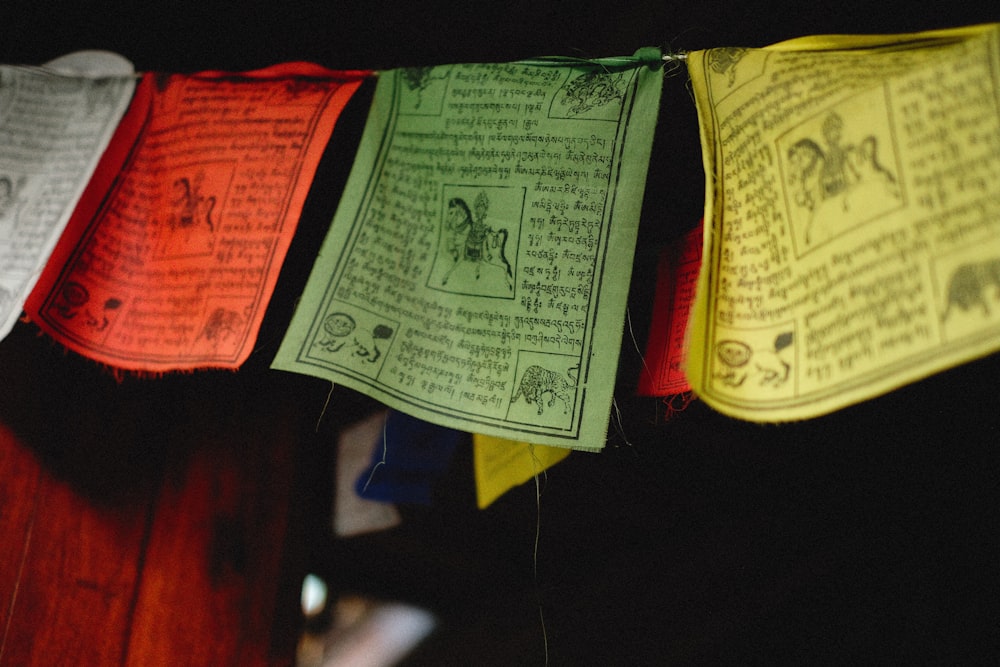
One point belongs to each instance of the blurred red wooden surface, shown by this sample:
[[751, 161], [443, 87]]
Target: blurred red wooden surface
[[141, 526]]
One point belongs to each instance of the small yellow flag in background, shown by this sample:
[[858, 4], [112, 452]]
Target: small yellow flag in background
[[503, 464]]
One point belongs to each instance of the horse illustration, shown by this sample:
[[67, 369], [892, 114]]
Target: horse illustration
[[470, 239], [827, 183], [192, 207]]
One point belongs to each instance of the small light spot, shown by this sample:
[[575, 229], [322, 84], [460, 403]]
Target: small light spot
[[314, 592]]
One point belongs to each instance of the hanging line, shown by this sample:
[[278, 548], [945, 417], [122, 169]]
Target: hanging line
[[647, 55]]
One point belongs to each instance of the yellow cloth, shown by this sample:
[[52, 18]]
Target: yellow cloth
[[501, 465], [852, 223]]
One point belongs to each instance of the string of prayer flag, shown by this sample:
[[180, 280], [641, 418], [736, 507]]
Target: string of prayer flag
[[476, 270]]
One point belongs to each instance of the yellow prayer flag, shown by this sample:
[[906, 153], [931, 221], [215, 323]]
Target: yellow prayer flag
[[852, 221], [503, 464]]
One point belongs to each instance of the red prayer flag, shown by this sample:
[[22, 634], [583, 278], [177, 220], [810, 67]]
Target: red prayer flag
[[676, 280], [172, 254]]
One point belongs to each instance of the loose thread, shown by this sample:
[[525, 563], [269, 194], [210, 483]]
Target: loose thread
[[535, 465], [674, 68], [686, 398], [326, 404], [385, 447], [619, 426], [690, 90], [635, 343], [25, 550]]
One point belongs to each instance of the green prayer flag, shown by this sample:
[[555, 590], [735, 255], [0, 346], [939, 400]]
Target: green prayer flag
[[476, 271]]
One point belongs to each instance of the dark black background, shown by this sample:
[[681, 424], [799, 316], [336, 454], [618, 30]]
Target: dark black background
[[866, 535]]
